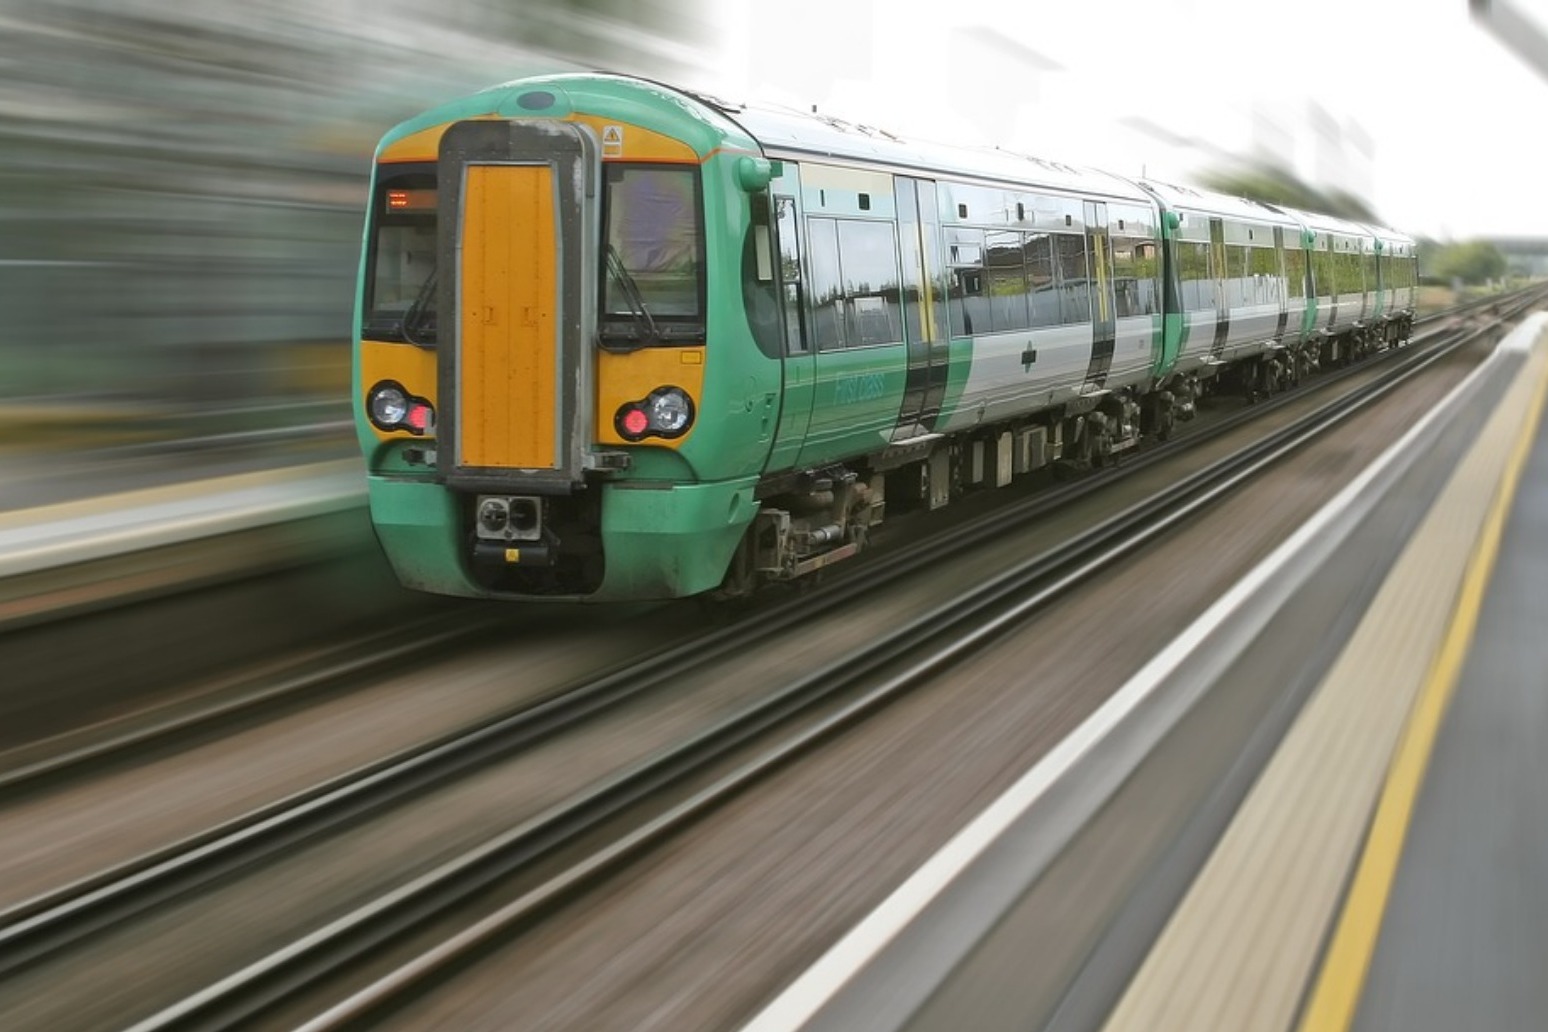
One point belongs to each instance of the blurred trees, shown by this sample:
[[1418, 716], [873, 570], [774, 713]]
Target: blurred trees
[[182, 181], [1471, 261], [1273, 185]]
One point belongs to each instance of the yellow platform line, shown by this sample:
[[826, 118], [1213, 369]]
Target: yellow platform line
[[1337, 990]]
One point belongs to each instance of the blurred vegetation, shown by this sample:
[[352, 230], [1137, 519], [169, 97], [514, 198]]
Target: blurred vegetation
[[1471, 261], [182, 181], [1273, 185]]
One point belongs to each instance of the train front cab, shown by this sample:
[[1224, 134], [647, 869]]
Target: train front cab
[[554, 385]]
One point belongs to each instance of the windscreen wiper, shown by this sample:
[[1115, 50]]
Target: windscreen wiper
[[420, 312], [644, 324]]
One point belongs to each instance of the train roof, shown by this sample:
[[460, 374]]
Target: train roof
[[1320, 223], [787, 132], [801, 135], [1391, 236], [1210, 202], [784, 132]]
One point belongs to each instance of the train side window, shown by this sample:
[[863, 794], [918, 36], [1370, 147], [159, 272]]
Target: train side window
[[1136, 276], [1238, 287], [1074, 284], [1007, 284], [853, 286], [790, 274], [760, 293], [1349, 273], [1322, 270], [1193, 271], [868, 260], [968, 307], [1264, 270], [1040, 280], [824, 287], [1295, 271]]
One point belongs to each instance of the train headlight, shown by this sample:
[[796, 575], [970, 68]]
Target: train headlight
[[390, 407], [666, 412], [670, 411]]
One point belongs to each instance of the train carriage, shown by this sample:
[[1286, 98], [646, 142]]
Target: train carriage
[[1343, 286], [1398, 284], [1238, 288], [619, 341]]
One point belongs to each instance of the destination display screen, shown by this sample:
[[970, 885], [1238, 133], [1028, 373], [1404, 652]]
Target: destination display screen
[[408, 202]]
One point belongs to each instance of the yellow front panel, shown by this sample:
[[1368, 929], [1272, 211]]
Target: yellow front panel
[[507, 378], [628, 376], [410, 366]]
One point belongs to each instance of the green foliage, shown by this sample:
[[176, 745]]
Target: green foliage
[[1273, 185], [1471, 261]]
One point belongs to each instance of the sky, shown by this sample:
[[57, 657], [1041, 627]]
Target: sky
[[1407, 103]]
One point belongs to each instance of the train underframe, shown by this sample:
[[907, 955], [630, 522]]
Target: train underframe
[[805, 520], [811, 519]]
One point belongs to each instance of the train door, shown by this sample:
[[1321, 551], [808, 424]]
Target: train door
[[1284, 294], [1104, 316], [799, 365], [517, 249], [1327, 283], [929, 350], [1383, 289], [1217, 262]]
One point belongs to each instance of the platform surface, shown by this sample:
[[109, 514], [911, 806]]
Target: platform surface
[[1389, 869], [1463, 942]]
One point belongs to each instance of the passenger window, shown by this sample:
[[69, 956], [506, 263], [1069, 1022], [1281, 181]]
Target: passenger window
[[1135, 272], [1074, 286], [825, 290], [1043, 290], [1007, 283], [790, 274], [868, 258], [853, 283], [1193, 270], [968, 306]]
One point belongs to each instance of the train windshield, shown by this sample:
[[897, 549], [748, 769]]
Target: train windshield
[[653, 255], [401, 282]]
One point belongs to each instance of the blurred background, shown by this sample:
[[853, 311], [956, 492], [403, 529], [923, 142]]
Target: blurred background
[[182, 185], [182, 181]]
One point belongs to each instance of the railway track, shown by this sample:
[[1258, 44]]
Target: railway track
[[635, 807]]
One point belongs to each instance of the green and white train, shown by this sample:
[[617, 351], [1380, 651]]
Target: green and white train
[[621, 341]]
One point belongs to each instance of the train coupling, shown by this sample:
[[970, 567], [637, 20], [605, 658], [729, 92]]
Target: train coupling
[[510, 530], [517, 553]]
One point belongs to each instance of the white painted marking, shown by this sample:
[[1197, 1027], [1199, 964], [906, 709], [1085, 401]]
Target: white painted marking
[[820, 983], [1523, 337]]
